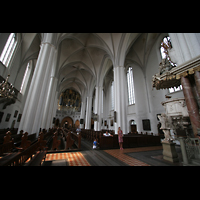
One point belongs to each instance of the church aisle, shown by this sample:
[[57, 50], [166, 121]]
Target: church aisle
[[113, 157], [142, 156]]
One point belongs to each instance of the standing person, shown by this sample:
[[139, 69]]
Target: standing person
[[120, 138]]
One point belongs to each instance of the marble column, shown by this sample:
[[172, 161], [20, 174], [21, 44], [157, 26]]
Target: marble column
[[197, 82], [191, 103]]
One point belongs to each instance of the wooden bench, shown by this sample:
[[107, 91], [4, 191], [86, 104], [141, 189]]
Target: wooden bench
[[19, 158], [72, 139], [40, 155], [69, 140], [37, 148], [129, 141], [8, 145], [37, 159], [6, 148], [77, 139], [56, 142]]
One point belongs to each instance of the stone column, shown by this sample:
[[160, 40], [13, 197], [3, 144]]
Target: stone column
[[191, 103], [192, 43], [98, 108], [120, 98], [176, 53], [34, 106], [88, 113], [46, 123], [184, 47], [54, 108], [83, 105]]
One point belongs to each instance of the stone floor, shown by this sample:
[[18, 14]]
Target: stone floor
[[143, 156]]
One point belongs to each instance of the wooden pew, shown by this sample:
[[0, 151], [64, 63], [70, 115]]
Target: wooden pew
[[19, 158], [72, 139], [40, 155], [129, 141], [25, 143], [7, 137], [6, 148], [37, 159], [56, 142], [77, 139], [69, 141], [9, 146], [37, 148]]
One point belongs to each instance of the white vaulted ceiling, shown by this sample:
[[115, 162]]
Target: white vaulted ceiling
[[85, 58]]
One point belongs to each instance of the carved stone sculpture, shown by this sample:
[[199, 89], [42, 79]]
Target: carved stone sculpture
[[165, 126]]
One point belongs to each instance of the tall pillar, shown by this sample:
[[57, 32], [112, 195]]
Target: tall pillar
[[98, 107], [88, 113], [120, 98], [184, 47], [46, 121], [192, 43], [191, 103], [197, 83], [83, 105], [175, 53], [36, 98], [50, 94], [54, 108]]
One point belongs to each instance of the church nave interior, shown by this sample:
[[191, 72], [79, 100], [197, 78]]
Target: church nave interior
[[52, 84]]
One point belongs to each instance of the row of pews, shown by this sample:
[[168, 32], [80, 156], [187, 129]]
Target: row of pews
[[30, 152], [27, 150], [129, 140]]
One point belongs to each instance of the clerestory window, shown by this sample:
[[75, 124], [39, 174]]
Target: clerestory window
[[131, 94], [26, 77], [8, 50]]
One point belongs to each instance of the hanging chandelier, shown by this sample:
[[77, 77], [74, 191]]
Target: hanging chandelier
[[7, 90]]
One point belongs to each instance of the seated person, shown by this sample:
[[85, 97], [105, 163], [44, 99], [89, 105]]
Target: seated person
[[78, 130], [95, 144], [107, 134]]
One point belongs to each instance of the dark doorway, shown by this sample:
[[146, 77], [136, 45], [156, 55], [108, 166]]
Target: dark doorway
[[133, 126]]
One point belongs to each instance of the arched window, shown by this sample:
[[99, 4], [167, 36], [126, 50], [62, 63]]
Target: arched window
[[8, 50], [26, 77], [131, 95]]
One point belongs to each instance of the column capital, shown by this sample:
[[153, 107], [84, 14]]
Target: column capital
[[42, 43], [118, 66]]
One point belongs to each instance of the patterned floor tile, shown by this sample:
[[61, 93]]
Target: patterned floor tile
[[73, 158], [121, 155]]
